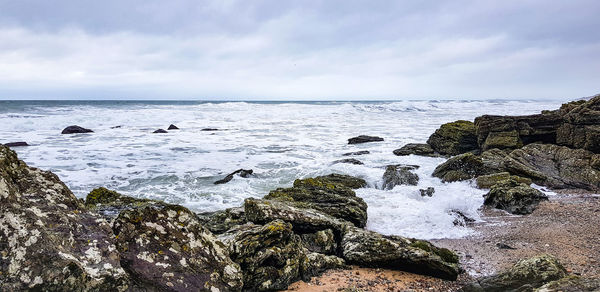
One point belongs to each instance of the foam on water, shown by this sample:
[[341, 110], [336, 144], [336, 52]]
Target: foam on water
[[279, 141]]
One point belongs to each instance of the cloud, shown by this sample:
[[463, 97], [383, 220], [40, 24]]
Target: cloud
[[299, 50]]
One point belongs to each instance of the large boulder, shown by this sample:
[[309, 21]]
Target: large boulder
[[462, 167], [165, 248], [523, 276], [582, 125], [514, 197], [400, 174], [416, 149], [454, 138], [48, 240], [487, 181], [556, 166], [572, 284], [371, 249], [332, 195], [364, 139], [75, 130]]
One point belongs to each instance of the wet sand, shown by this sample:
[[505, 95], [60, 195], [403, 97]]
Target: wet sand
[[567, 226]]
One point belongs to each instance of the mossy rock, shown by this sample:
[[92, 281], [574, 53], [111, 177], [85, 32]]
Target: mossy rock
[[572, 284], [332, 181], [322, 241], [454, 138], [109, 203], [223, 220], [503, 140], [514, 197], [487, 181], [462, 167]]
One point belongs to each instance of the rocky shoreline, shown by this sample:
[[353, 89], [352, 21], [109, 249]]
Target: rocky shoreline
[[52, 241]]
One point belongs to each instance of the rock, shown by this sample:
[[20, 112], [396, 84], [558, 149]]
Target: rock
[[75, 130], [316, 263], [209, 129], [416, 149], [514, 197], [504, 246], [571, 284], [512, 132], [460, 219], [160, 131], [556, 166], [487, 181], [395, 175], [165, 248], [523, 276], [356, 153], [16, 144], [364, 139], [370, 249], [454, 138], [349, 161], [48, 240], [245, 173], [221, 221], [582, 125], [462, 167], [271, 256], [321, 241], [427, 192], [173, 127], [110, 203], [328, 194]]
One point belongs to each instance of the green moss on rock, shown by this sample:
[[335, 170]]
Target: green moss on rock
[[454, 138]]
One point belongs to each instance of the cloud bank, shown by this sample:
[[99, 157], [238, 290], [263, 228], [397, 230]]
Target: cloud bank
[[298, 50]]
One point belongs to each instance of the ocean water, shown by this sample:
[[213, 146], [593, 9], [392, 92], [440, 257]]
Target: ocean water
[[280, 141]]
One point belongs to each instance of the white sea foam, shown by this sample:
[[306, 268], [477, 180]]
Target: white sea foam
[[279, 141]]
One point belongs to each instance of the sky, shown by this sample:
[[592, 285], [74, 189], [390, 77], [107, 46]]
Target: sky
[[299, 50]]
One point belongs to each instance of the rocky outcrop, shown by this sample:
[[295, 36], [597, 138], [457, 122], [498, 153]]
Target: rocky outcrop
[[364, 139], [400, 174], [556, 166], [581, 128], [349, 161], [221, 221], [523, 276], [514, 197], [571, 284], [356, 153], [245, 173], [166, 248], [416, 149], [316, 263], [16, 144], [48, 240], [370, 249], [172, 127], [487, 181], [463, 167], [110, 203], [454, 138], [323, 241], [75, 130], [160, 131]]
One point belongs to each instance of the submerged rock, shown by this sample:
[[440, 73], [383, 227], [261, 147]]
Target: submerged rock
[[245, 173], [399, 175], [166, 248], [364, 139], [454, 138], [364, 152], [487, 181], [349, 161], [514, 197], [75, 130], [16, 144], [160, 131], [427, 192], [416, 149], [371, 249], [523, 276], [172, 127]]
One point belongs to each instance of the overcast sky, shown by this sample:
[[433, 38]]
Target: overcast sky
[[295, 50]]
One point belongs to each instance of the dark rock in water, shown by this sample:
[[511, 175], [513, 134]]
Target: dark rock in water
[[582, 125], [160, 131], [356, 153], [462, 167], [370, 249], [364, 139], [501, 245], [48, 240], [75, 130], [270, 256], [514, 197], [460, 218], [116, 127], [487, 181], [245, 173], [209, 129], [523, 276], [399, 175], [454, 138], [556, 166], [416, 149], [572, 284], [221, 221], [16, 144], [349, 161], [321, 241], [427, 192], [332, 195], [165, 248], [172, 127]]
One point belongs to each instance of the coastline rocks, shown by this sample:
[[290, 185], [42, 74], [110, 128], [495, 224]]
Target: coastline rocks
[[245, 173], [582, 125], [454, 138], [371, 249], [556, 166], [165, 248], [160, 131], [321, 242], [16, 144], [172, 127], [487, 181], [332, 181], [416, 149], [349, 161], [364, 152], [109, 203], [50, 242], [317, 263], [571, 284], [462, 167], [523, 276], [399, 175], [75, 130], [364, 139], [514, 197], [223, 220]]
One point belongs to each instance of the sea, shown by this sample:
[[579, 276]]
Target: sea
[[279, 141]]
